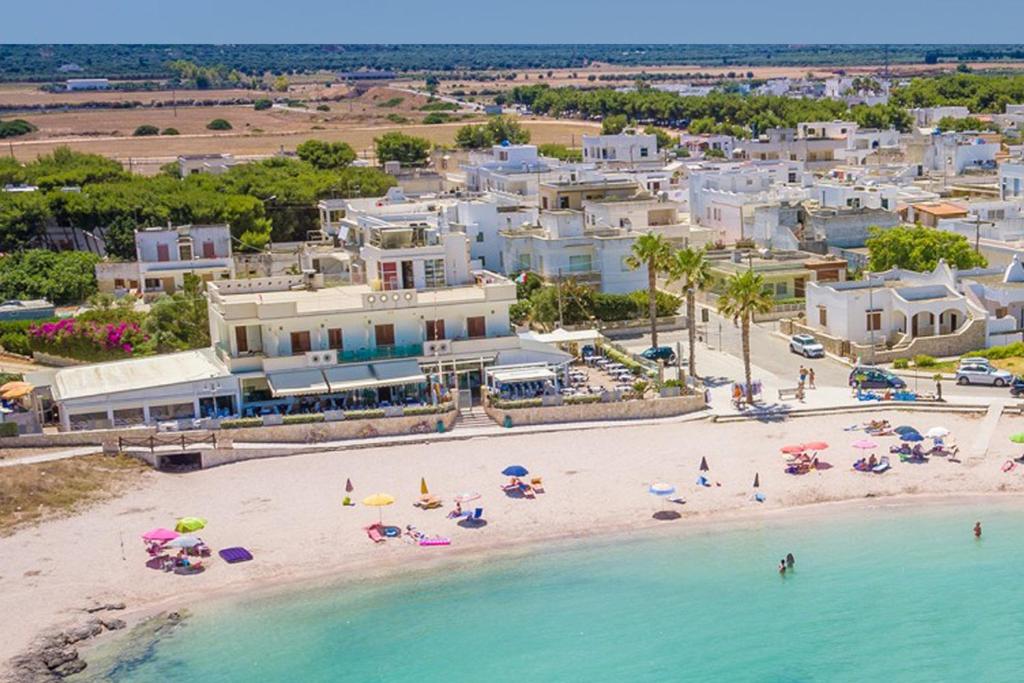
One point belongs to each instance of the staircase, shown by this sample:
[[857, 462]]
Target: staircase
[[474, 417]]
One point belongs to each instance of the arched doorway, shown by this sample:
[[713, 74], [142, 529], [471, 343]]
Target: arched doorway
[[950, 321]]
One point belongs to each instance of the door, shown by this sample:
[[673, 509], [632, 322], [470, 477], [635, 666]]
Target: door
[[384, 335], [300, 342], [435, 330], [476, 327], [407, 279], [163, 252], [208, 250], [241, 339]]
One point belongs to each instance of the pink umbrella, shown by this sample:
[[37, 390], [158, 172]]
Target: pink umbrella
[[160, 534], [865, 444], [815, 445], [794, 449]]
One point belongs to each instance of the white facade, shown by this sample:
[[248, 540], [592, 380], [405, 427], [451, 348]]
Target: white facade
[[1011, 180], [620, 149], [88, 84], [165, 255], [482, 220], [214, 164], [930, 116]]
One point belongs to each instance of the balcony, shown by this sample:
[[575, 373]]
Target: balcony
[[380, 352]]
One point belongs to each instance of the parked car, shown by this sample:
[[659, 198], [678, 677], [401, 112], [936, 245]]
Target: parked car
[[807, 346], [983, 374], [662, 353], [875, 378], [1017, 387]]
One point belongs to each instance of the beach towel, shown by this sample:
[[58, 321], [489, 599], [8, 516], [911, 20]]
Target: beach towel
[[759, 497], [703, 481]]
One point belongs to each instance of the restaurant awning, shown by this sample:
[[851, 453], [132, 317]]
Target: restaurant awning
[[398, 372], [534, 374], [297, 383], [349, 377]]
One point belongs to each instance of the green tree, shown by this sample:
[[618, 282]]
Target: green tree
[[651, 250], [170, 131], [665, 139], [472, 137], [396, 146], [562, 152], [614, 124], [262, 104], [119, 237], [219, 124], [23, 216], [744, 297], [66, 277], [146, 129], [326, 155], [180, 321], [919, 248], [691, 268], [569, 303], [281, 84]]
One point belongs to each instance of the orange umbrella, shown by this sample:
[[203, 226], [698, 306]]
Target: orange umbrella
[[816, 445], [794, 449], [12, 390]]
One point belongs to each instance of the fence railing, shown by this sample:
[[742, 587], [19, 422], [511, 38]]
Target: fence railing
[[153, 442]]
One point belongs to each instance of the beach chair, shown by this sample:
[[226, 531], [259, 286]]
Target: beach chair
[[477, 514], [537, 483], [374, 533]]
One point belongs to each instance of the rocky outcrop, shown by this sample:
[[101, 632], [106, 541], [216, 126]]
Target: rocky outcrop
[[53, 657]]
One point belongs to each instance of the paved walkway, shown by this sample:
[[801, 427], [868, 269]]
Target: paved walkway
[[53, 455]]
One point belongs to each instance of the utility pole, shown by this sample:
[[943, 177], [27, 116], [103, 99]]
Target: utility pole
[[977, 233]]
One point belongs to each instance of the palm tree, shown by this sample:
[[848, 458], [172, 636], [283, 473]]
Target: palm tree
[[653, 251], [690, 266], [744, 297]]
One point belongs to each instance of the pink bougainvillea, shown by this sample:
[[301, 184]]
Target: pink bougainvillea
[[87, 340]]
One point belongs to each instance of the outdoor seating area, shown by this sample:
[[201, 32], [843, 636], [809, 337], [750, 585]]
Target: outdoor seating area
[[178, 551], [607, 372], [910, 447]]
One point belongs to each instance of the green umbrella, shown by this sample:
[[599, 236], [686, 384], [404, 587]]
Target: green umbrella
[[189, 524], [1017, 438]]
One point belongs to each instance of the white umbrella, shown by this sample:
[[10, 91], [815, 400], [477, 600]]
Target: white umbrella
[[937, 432], [662, 489]]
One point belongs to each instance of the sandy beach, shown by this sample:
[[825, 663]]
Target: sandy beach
[[287, 511]]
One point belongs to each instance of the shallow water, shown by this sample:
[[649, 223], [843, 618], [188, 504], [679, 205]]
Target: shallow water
[[880, 594]]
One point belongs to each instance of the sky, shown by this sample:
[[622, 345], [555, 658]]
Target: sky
[[518, 21]]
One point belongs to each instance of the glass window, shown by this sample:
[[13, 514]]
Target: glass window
[[874, 321], [523, 262], [580, 263], [433, 273]]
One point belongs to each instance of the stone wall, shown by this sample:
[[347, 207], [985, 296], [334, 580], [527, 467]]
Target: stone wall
[[96, 437], [314, 432], [833, 345], [592, 412]]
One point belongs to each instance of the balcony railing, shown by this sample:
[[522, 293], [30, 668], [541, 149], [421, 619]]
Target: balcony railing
[[380, 352]]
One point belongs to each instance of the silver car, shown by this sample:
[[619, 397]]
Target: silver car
[[981, 374], [807, 346]]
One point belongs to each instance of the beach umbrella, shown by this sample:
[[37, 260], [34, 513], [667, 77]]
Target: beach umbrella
[[160, 534], [189, 524], [515, 471], [379, 500], [704, 464], [661, 489], [903, 429], [184, 542], [467, 497], [757, 480], [937, 433], [348, 486], [1017, 438], [423, 486], [794, 449], [815, 445], [13, 390], [911, 436], [864, 444]]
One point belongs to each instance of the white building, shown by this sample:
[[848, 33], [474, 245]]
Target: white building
[[88, 84], [813, 143], [165, 255], [623, 149], [483, 218], [1011, 180], [930, 116], [214, 164], [870, 143]]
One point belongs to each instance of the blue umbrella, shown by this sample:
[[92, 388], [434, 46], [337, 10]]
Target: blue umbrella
[[905, 430], [515, 471], [911, 436]]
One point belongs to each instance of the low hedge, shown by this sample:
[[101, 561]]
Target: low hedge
[[363, 414], [304, 418], [428, 410], [626, 360], [522, 403], [239, 422], [8, 428], [575, 400]]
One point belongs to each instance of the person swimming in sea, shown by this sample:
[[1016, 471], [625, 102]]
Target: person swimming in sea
[[782, 566], [790, 560], [977, 529]]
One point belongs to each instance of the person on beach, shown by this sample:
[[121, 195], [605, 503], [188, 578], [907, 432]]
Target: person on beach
[[803, 376], [977, 529], [782, 566], [790, 560], [810, 378]]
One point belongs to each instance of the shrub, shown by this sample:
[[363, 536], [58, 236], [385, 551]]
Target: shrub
[[363, 414], [392, 102], [439, 106], [262, 104], [666, 304], [397, 118], [15, 127], [322, 107], [304, 418], [436, 117], [219, 124], [616, 307], [519, 312], [14, 342], [1014, 350], [8, 428], [428, 410], [923, 361], [590, 398], [522, 403], [901, 364], [146, 130], [240, 422], [90, 341], [169, 131]]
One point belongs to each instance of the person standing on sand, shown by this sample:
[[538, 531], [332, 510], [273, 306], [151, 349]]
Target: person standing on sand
[[977, 529], [803, 375], [810, 378]]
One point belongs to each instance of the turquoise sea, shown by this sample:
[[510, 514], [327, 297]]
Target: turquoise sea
[[879, 594]]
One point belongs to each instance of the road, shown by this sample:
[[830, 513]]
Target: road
[[719, 355]]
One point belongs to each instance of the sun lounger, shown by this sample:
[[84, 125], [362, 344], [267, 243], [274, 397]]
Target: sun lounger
[[374, 532], [477, 514], [428, 502], [882, 465]]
